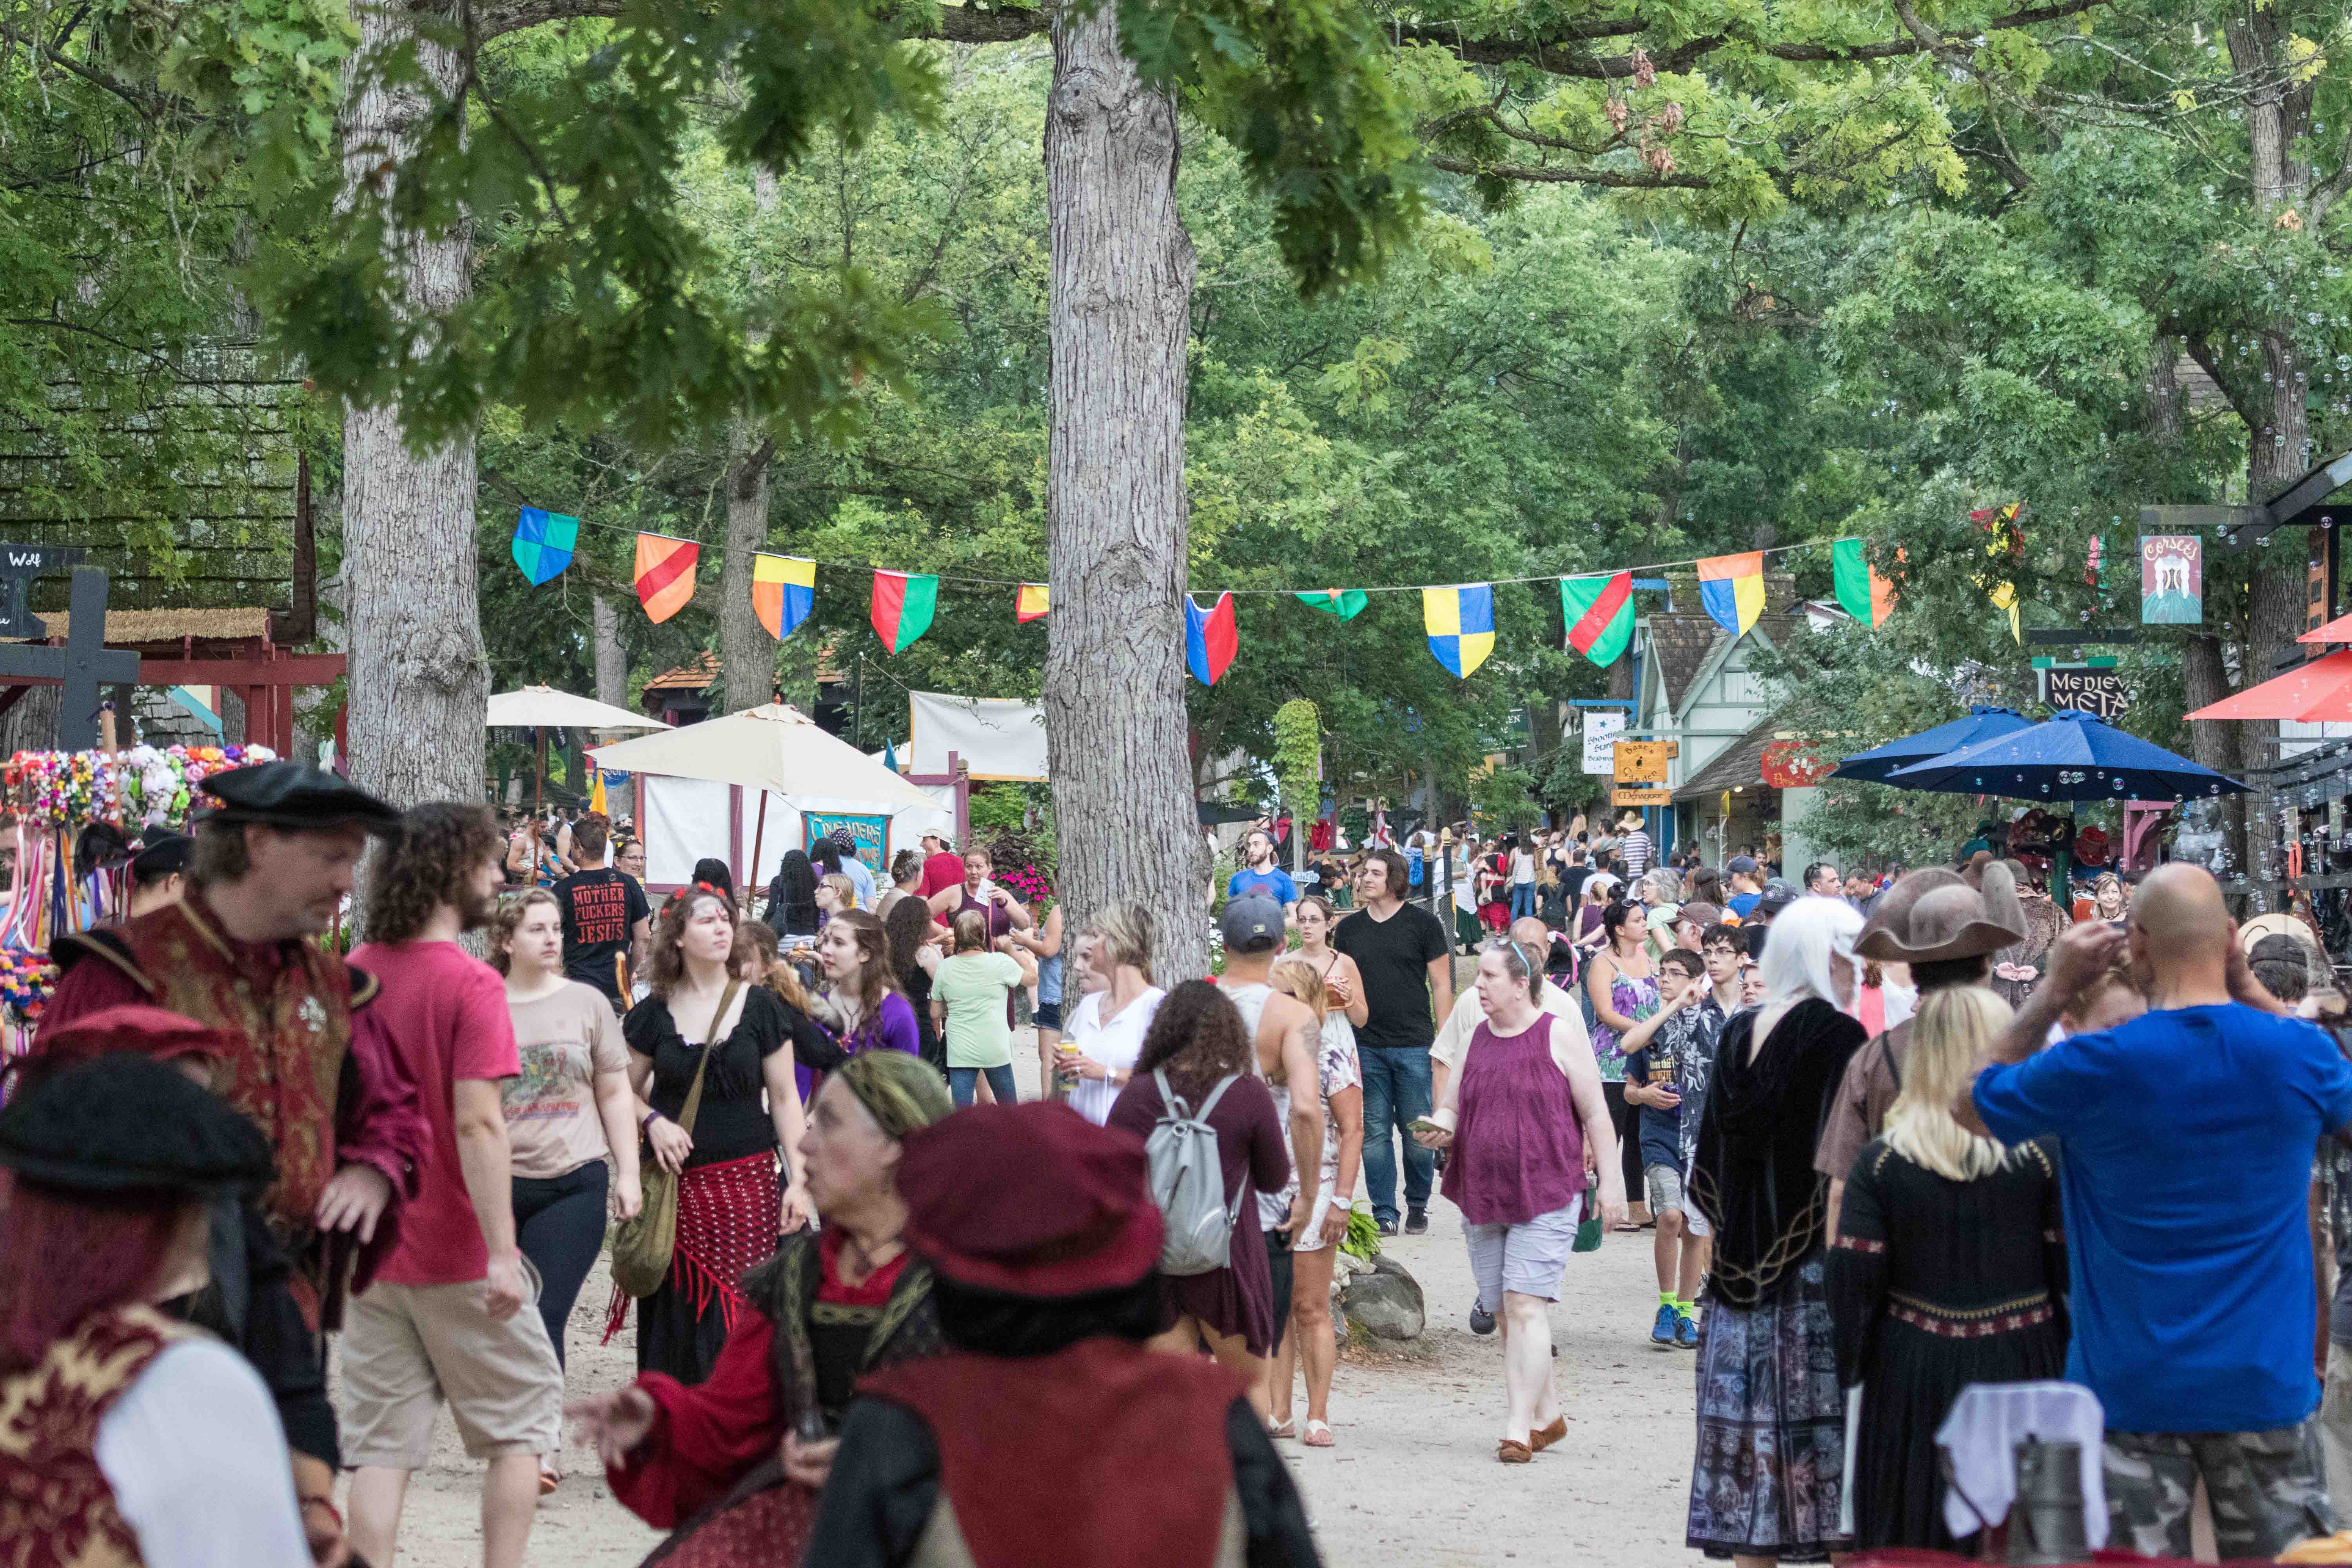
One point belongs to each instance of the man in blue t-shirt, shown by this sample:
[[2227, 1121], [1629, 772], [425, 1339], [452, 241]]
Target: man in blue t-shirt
[[2187, 1137], [1260, 877]]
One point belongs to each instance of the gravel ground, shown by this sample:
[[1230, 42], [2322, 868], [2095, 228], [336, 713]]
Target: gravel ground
[[1413, 1479]]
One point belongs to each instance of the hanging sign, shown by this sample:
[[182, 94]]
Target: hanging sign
[[1601, 731], [870, 834], [1640, 761], [2171, 580], [2095, 686], [1623, 795], [1791, 764]]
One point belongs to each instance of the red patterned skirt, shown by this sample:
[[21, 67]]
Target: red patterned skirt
[[762, 1529], [727, 1218]]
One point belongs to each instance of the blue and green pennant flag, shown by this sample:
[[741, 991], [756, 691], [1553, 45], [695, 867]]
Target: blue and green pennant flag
[[543, 543], [1460, 622], [1345, 602]]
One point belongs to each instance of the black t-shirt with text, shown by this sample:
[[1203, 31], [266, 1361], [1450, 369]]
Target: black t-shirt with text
[[599, 910], [1394, 955]]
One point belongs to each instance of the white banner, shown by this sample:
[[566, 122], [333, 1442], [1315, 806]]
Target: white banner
[[994, 738], [1601, 727]]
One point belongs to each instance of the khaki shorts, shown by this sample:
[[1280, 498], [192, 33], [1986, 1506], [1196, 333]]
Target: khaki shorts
[[407, 1347]]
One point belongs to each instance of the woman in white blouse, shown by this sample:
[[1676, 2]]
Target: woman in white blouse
[[1101, 1039]]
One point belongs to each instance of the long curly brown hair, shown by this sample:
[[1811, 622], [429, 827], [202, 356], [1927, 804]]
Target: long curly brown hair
[[1198, 1037], [665, 963], [441, 845]]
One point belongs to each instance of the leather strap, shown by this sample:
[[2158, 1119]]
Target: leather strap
[[712, 1042]]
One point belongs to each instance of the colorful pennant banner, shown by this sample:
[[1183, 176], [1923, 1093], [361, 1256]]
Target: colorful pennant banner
[[1862, 593], [783, 591], [1460, 621], [1599, 616], [1211, 639], [1731, 590], [543, 543], [665, 574], [1345, 602], [904, 603], [1034, 600]]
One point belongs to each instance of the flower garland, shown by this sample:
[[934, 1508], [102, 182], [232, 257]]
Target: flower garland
[[143, 787]]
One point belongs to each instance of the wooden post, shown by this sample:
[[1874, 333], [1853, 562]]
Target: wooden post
[[759, 832]]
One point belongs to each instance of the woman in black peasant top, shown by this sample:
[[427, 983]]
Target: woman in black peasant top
[[728, 1213]]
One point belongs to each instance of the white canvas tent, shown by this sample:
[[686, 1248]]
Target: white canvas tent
[[701, 788], [995, 740]]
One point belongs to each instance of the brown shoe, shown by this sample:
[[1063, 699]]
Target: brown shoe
[[1540, 1441], [1514, 1453]]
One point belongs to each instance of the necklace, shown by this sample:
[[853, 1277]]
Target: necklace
[[865, 1264]]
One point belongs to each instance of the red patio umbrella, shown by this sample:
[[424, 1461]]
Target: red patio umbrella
[[2319, 693]]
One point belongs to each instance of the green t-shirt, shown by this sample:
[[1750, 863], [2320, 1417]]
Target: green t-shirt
[[973, 986]]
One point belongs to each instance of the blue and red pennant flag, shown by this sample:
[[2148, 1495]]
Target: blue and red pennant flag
[[1731, 590], [1210, 639]]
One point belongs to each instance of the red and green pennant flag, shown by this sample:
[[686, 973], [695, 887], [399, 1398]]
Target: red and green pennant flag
[[665, 574], [904, 604], [1599, 616], [1862, 593], [1345, 602]]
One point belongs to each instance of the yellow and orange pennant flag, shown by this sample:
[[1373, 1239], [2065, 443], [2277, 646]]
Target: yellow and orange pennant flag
[[665, 574], [1034, 600]]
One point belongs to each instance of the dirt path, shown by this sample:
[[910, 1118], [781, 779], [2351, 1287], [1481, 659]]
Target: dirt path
[[1414, 1479]]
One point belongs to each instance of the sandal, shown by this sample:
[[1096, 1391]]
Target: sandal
[[1319, 1435], [549, 1478], [1540, 1441], [1510, 1452], [1280, 1429]]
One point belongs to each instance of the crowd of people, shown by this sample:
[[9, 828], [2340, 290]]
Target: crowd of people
[[1898, 1136]]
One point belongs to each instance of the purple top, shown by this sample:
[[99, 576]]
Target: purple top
[[1518, 1150], [891, 1028]]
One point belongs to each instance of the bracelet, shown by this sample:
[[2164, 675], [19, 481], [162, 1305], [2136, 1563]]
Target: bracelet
[[329, 1504], [646, 1123]]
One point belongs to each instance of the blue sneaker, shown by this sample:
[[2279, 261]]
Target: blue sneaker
[[1663, 1334], [1685, 1333]]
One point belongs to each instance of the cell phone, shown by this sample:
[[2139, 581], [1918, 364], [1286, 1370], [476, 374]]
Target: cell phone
[[1423, 1124]]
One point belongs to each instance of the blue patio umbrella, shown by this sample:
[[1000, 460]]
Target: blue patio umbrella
[[2069, 756], [1983, 723]]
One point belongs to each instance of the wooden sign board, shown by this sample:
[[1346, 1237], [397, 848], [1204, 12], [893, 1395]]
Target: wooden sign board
[[1641, 762], [1659, 796]]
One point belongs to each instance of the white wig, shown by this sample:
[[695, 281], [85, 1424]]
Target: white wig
[[1801, 941]]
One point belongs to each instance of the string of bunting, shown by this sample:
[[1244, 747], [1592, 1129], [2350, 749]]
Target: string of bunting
[[1458, 618]]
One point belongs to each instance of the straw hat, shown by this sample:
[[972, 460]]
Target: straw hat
[[1932, 916]]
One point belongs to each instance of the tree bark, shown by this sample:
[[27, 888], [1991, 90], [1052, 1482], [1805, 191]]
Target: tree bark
[[419, 675], [746, 651], [1117, 517], [611, 659]]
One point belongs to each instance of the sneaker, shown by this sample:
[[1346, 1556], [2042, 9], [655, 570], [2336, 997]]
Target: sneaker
[[1388, 1227], [1481, 1322], [1416, 1222], [1686, 1331], [1662, 1333]]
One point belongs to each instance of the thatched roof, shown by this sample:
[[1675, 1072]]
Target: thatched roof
[[130, 628]]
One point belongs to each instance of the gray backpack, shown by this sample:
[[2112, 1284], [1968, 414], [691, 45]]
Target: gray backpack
[[1188, 1182]]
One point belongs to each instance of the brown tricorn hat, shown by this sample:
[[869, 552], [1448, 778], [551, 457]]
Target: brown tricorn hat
[[1933, 916]]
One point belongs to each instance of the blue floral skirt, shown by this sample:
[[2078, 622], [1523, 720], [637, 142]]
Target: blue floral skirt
[[1771, 1428]]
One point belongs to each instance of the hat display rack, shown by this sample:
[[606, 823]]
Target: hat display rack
[[74, 816]]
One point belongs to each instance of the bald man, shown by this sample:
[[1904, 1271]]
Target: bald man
[[2188, 1135]]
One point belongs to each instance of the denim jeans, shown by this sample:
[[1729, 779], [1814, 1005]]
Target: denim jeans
[[1396, 1090], [1000, 1084], [560, 1226], [1523, 900]]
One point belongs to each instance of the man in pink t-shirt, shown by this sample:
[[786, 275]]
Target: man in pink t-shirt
[[445, 1317], [943, 866]]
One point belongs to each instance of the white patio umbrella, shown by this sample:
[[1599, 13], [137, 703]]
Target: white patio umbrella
[[774, 749], [544, 708]]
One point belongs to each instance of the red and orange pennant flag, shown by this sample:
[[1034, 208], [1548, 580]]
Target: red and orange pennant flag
[[665, 574], [1034, 600]]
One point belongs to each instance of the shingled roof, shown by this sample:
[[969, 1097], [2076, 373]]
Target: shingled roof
[[1739, 766]]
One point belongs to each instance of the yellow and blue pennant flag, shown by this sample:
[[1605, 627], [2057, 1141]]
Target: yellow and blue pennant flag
[[1460, 622], [1731, 590]]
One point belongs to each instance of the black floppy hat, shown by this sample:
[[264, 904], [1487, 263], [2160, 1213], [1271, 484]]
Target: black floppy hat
[[124, 1121], [296, 795]]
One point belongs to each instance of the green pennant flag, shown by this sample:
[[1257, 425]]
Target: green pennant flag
[[1861, 592], [1345, 602], [1599, 616]]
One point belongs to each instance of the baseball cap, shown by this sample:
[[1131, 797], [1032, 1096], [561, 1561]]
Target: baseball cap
[[1740, 866], [1251, 924], [1778, 896]]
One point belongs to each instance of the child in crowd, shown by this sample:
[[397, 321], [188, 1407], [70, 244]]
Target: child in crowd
[[1674, 1046]]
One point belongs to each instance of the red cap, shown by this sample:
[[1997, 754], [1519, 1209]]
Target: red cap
[[153, 1031], [1030, 1200]]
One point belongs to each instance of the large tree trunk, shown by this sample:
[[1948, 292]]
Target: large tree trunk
[[418, 676], [611, 659], [1116, 512], [745, 650]]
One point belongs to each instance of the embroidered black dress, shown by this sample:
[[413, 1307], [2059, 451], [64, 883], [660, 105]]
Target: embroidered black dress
[[1935, 1284]]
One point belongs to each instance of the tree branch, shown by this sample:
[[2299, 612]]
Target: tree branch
[[1612, 178]]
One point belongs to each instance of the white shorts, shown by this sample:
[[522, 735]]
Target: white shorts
[[1310, 1237], [1528, 1256]]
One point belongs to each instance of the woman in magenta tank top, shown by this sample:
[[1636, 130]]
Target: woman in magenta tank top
[[1527, 1123]]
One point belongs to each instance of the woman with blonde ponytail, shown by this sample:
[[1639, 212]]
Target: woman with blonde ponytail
[[1949, 1266]]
